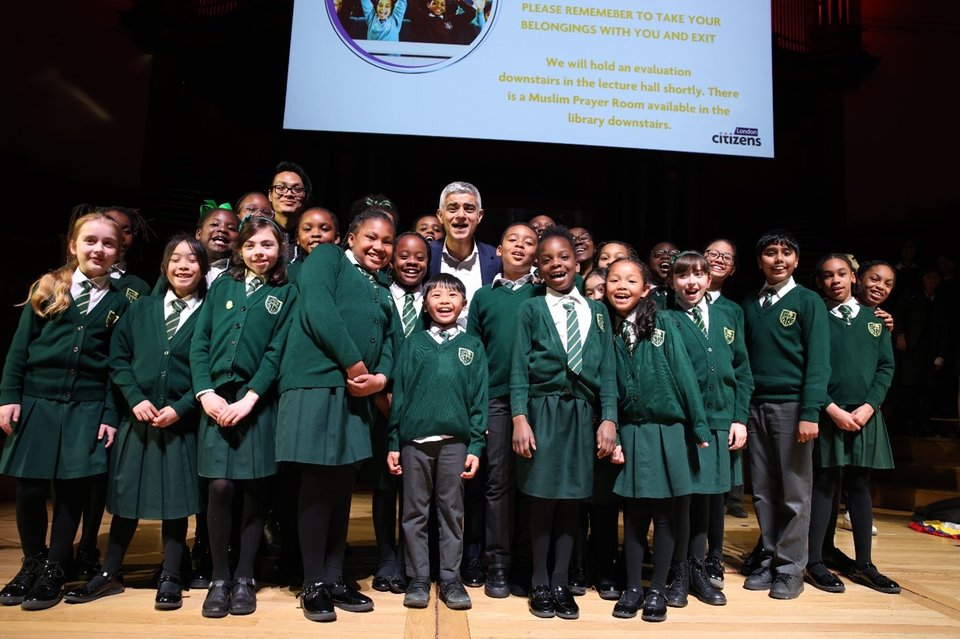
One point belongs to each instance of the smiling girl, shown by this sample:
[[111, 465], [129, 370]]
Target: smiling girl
[[235, 360], [339, 354], [54, 406]]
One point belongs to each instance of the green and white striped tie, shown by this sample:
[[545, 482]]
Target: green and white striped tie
[[698, 319], [409, 316], [845, 312], [627, 335], [83, 300], [253, 285], [173, 319], [574, 346]]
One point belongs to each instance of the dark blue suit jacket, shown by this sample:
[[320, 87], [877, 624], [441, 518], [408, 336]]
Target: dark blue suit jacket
[[490, 262]]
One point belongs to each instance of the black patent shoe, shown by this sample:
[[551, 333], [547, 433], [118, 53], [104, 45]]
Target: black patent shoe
[[88, 564], [629, 603], [243, 596], [30, 570], [346, 598], [398, 584], [564, 605], [169, 593], [754, 560], [607, 589], [836, 559], [217, 603], [820, 578], [381, 584], [714, 568], [578, 581], [654, 607], [472, 573], [869, 576], [316, 604], [679, 586], [202, 569], [102, 585], [541, 602], [48, 589]]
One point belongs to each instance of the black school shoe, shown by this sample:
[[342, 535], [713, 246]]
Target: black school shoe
[[820, 578], [754, 560], [629, 603], [30, 570], [472, 573], [169, 593], [679, 585], [836, 559], [564, 605], [102, 585], [702, 589], [870, 577], [541, 602], [346, 598], [607, 588], [577, 582], [654, 606], [497, 584], [454, 595], [87, 564], [316, 604], [714, 568], [217, 603], [243, 596], [48, 589]]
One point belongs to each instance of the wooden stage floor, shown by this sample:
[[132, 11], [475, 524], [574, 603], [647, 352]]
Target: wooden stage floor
[[927, 567]]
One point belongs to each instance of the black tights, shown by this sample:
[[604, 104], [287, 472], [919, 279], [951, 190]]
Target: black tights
[[94, 504], [856, 484], [324, 514], [220, 518], [172, 531], [552, 520], [637, 513]]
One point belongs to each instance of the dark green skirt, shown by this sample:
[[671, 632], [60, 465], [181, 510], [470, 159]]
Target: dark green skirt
[[153, 471], [55, 440], [711, 475], [562, 464], [373, 472], [244, 451], [324, 426], [657, 462], [867, 448]]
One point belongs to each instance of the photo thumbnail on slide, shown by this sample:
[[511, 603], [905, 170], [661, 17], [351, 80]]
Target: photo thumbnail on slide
[[679, 75]]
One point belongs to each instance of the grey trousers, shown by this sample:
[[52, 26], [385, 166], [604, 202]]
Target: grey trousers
[[431, 473], [782, 473]]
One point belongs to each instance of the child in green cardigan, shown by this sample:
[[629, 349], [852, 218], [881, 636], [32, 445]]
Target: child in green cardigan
[[714, 341], [434, 445], [660, 410], [853, 437], [788, 339], [55, 404], [153, 467], [562, 370], [338, 355], [492, 319], [235, 360], [315, 226]]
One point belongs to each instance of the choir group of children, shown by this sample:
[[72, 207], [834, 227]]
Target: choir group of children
[[574, 378]]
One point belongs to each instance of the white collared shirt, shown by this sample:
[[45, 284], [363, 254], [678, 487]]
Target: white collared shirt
[[467, 270], [499, 280], [704, 311], [713, 296], [555, 301], [192, 300], [100, 287], [852, 303], [217, 268], [631, 320], [399, 293], [779, 290], [452, 332]]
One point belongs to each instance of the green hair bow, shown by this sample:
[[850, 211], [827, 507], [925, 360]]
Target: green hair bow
[[211, 205]]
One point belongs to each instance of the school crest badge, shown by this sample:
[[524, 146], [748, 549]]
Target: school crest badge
[[273, 304], [657, 337], [729, 334], [112, 318], [600, 322], [132, 295], [465, 355], [788, 318], [875, 328]]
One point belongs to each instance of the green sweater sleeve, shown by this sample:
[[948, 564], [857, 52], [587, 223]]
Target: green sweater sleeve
[[320, 317], [480, 405], [687, 384], [741, 370], [816, 374], [520, 365], [884, 375], [15, 366], [269, 369], [200, 349], [121, 360], [399, 396], [608, 370]]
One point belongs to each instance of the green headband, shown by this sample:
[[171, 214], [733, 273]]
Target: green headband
[[211, 205]]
